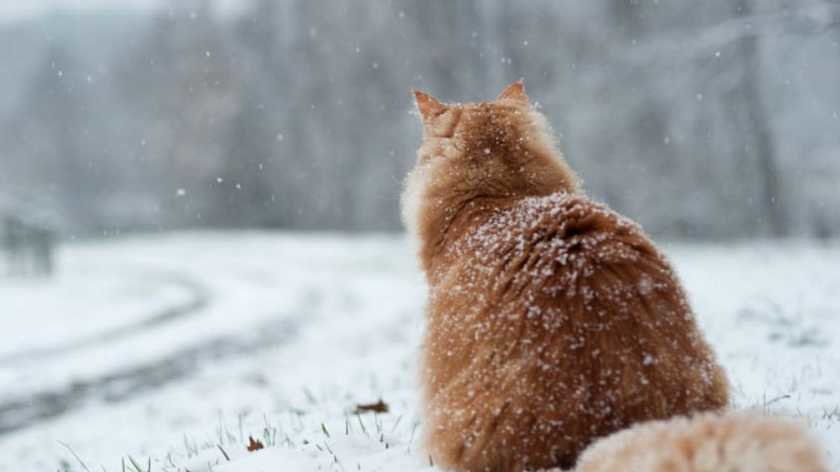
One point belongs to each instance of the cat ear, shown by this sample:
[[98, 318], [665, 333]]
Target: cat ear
[[515, 92], [428, 106]]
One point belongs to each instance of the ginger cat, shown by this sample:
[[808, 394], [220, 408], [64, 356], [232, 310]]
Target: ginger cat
[[552, 320]]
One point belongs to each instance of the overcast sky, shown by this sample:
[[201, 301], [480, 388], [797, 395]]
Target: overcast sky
[[23, 9], [11, 10]]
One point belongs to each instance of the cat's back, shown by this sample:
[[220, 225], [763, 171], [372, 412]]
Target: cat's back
[[545, 268], [556, 243], [574, 278]]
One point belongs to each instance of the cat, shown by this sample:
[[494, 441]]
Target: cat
[[552, 320]]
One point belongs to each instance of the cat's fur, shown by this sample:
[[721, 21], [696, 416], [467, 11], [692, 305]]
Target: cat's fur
[[552, 320], [707, 443]]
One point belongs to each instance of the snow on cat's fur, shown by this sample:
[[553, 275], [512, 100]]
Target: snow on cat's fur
[[552, 321]]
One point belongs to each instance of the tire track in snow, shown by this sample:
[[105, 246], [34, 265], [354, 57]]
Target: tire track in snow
[[198, 299], [27, 410]]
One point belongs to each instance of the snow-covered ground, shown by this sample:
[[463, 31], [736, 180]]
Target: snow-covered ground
[[170, 351]]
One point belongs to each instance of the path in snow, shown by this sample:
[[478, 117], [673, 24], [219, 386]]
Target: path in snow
[[199, 297], [123, 384]]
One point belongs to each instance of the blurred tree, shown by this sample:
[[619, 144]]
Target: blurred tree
[[758, 129], [180, 84], [55, 135]]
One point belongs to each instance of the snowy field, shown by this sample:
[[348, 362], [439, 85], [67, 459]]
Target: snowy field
[[166, 353]]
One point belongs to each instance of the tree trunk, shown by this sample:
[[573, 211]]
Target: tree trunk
[[768, 166]]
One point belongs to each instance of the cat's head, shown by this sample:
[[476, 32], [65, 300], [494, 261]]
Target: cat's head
[[498, 149]]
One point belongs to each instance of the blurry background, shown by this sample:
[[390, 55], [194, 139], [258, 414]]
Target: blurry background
[[712, 119], [138, 134]]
